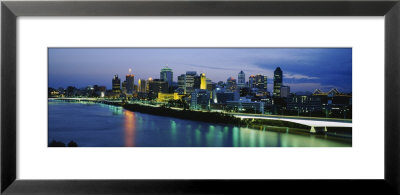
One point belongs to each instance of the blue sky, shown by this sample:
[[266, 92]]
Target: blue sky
[[304, 69]]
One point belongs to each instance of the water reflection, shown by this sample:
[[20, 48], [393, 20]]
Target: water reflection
[[112, 126], [130, 128]]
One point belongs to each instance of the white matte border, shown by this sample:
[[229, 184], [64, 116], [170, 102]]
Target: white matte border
[[365, 160]]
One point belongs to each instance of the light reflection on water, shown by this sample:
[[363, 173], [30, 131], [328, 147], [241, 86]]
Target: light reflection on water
[[130, 128], [99, 125]]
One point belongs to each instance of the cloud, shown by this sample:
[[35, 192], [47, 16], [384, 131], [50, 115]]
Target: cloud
[[208, 67], [298, 76], [309, 86]]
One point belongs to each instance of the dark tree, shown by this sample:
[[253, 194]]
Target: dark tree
[[70, 91], [55, 143], [72, 144]]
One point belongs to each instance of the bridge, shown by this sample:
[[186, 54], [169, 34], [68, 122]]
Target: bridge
[[315, 125]]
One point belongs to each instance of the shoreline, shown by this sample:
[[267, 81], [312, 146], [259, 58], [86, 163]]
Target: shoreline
[[221, 118]]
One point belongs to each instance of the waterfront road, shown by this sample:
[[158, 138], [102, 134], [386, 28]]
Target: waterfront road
[[312, 122]]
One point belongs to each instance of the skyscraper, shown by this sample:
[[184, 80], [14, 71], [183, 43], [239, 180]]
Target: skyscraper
[[123, 87], [181, 81], [285, 91], [129, 82], [166, 74], [252, 81], [149, 80], [116, 84], [203, 81], [200, 99], [157, 86], [231, 84], [189, 81], [265, 84], [196, 82], [259, 82], [277, 82], [241, 79], [142, 86]]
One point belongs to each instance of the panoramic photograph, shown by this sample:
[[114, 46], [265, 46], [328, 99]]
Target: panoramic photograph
[[199, 97]]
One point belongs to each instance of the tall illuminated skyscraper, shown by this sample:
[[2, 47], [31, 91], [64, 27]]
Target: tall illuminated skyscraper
[[142, 86], [129, 82], [241, 79], [166, 74], [116, 84], [149, 80], [277, 82], [203, 81]]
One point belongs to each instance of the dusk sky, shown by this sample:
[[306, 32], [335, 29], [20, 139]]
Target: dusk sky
[[304, 69]]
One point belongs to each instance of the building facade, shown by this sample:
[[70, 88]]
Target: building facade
[[181, 81], [130, 83], [246, 106], [167, 75], [157, 86], [241, 79], [189, 81], [285, 91], [252, 81], [200, 99], [142, 87], [277, 82], [116, 84], [260, 82], [231, 84], [203, 81]]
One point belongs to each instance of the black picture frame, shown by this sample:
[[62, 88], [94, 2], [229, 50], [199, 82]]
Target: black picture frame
[[10, 10]]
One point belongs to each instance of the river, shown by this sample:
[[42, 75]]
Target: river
[[100, 125]]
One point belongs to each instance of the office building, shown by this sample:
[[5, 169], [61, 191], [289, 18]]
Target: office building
[[200, 99], [116, 84], [130, 82], [241, 79], [265, 83], [231, 84], [246, 106], [277, 82], [166, 74], [123, 87], [181, 81], [304, 104], [252, 81], [203, 81], [197, 82], [142, 87], [285, 91], [260, 82], [157, 86], [223, 97], [189, 81]]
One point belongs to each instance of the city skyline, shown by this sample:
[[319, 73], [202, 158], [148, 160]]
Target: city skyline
[[303, 71]]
